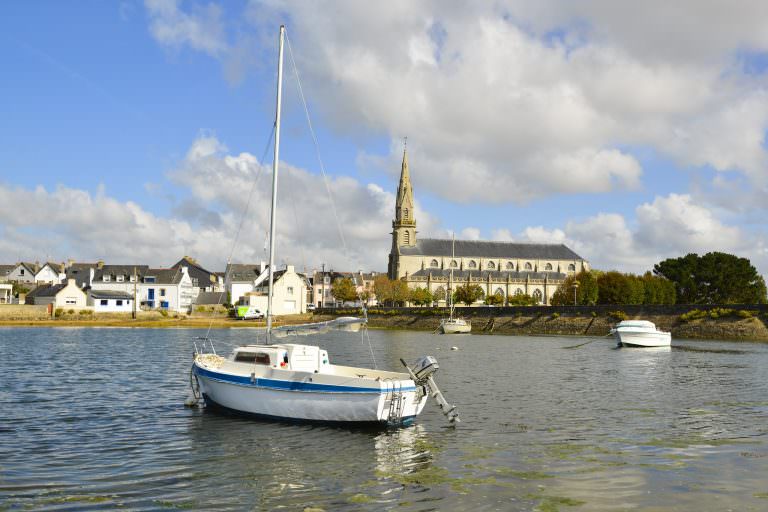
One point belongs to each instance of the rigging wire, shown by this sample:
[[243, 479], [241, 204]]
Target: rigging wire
[[242, 220], [317, 145]]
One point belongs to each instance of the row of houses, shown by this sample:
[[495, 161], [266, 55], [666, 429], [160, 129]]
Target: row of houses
[[182, 287]]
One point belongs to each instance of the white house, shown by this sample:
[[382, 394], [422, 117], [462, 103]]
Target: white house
[[6, 293], [159, 288], [49, 273], [22, 273], [242, 278], [66, 296], [110, 301], [289, 296]]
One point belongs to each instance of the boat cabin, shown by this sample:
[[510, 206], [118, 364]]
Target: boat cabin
[[289, 356]]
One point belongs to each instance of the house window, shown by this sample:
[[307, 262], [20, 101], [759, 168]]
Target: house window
[[289, 291], [118, 302], [21, 272], [133, 279], [70, 300], [491, 265], [510, 266], [149, 279], [327, 280], [528, 266], [162, 292], [572, 267], [120, 279], [104, 302], [434, 263], [548, 266], [454, 264], [472, 264], [105, 279]]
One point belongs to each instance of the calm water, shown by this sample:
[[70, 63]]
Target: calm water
[[94, 419]]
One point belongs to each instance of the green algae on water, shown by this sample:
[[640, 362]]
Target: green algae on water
[[360, 498]]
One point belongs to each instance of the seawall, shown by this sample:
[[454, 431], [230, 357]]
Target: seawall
[[721, 322]]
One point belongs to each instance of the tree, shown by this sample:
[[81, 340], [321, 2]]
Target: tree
[[343, 290], [617, 288], [468, 294], [714, 278], [586, 292], [658, 290], [421, 296], [382, 287], [439, 294], [495, 299], [521, 299], [400, 292]]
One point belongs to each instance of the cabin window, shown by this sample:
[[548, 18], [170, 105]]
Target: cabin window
[[252, 357], [472, 264], [510, 266], [548, 266], [491, 265], [434, 263], [572, 267], [528, 266]]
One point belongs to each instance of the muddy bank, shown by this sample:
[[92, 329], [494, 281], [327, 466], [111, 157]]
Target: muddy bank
[[728, 327]]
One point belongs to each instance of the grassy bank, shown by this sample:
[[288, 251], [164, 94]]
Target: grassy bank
[[715, 323], [151, 321]]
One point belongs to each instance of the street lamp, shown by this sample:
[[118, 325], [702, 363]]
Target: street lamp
[[575, 287]]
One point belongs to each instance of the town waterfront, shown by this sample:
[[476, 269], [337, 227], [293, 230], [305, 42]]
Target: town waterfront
[[93, 418]]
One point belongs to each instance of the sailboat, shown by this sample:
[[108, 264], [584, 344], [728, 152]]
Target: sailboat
[[453, 325], [296, 382]]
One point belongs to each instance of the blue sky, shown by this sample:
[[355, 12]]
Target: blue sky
[[626, 150]]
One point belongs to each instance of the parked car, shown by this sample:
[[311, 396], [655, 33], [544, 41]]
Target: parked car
[[311, 307], [249, 313]]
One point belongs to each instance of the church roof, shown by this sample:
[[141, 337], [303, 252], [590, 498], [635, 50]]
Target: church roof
[[462, 275], [483, 249]]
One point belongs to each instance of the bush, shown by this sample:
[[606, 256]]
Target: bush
[[693, 314], [71, 312], [716, 313], [164, 312], [58, 312], [743, 313], [200, 309], [555, 315], [618, 315], [594, 314]]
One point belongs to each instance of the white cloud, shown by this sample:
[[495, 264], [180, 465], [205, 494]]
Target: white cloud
[[201, 29]]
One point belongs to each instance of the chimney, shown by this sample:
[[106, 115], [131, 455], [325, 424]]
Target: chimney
[[71, 282], [290, 269], [90, 278]]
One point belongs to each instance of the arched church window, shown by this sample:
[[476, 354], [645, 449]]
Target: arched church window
[[499, 291], [491, 265], [472, 264], [519, 291], [510, 265], [548, 266], [434, 263], [572, 267], [407, 237], [454, 264], [537, 296], [528, 266]]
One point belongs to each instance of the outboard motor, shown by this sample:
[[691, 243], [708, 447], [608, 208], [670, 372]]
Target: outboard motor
[[422, 375]]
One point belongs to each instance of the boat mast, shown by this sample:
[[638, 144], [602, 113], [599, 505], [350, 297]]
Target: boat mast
[[450, 280], [275, 163]]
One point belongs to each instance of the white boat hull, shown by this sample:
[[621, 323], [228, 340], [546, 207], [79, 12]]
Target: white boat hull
[[643, 339], [297, 400], [449, 327]]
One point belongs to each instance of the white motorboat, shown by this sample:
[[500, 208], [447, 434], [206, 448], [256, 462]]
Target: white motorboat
[[640, 333], [298, 382], [452, 325]]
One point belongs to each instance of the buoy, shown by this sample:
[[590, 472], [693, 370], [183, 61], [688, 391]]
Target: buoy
[[454, 348], [190, 402]]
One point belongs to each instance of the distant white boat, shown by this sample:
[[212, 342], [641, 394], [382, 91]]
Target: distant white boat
[[453, 325], [640, 333]]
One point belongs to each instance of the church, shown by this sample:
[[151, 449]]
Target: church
[[505, 268]]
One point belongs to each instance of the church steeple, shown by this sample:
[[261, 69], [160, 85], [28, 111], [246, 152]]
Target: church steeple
[[404, 223]]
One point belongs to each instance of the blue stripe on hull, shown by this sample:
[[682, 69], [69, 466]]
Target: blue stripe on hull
[[409, 420], [287, 385]]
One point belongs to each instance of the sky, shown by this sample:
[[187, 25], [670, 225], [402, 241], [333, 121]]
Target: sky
[[139, 132]]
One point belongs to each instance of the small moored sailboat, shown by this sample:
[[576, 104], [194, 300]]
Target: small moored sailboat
[[289, 381], [453, 325]]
